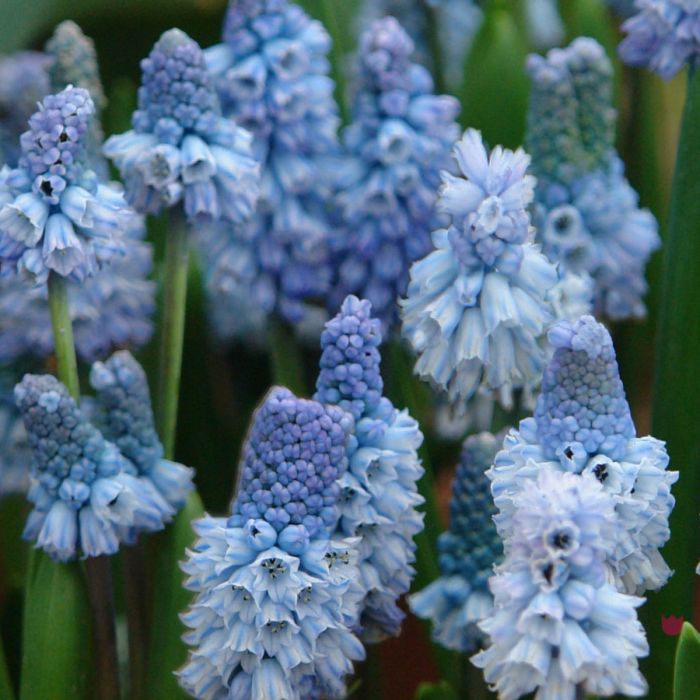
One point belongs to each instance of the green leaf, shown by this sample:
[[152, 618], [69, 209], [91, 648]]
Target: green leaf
[[686, 680], [435, 691], [57, 633], [167, 650], [495, 92], [676, 406]]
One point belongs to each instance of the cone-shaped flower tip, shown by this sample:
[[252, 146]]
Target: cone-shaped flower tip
[[350, 375], [270, 580], [292, 459], [126, 418], [558, 625], [468, 551], [663, 36], [477, 308], [54, 214], [582, 409], [86, 494], [181, 149]]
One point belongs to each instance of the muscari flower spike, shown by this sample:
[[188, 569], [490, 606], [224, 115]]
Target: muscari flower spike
[[181, 150], [457, 23], [55, 215], [582, 425], [662, 35], [24, 81], [271, 73], [477, 306], [558, 627], [15, 455], [587, 215], [125, 417], [112, 309], [73, 61], [379, 495], [274, 602], [86, 495], [399, 141], [468, 552]]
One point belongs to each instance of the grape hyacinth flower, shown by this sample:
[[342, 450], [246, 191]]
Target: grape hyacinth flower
[[468, 552], [112, 309], [55, 215], [477, 308], [379, 496], [587, 215], [181, 150], [583, 425], [24, 81], [457, 23], [271, 73], [558, 626], [274, 602], [663, 36], [74, 62], [86, 494], [125, 417], [399, 141]]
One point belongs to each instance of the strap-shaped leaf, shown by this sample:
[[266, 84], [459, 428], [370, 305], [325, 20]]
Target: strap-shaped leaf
[[686, 680]]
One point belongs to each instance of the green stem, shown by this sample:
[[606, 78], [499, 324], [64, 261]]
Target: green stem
[[676, 406], [63, 334], [286, 362], [97, 569], [173, 331]]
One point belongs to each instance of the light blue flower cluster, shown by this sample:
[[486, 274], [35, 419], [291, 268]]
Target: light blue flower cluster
[[111, 309], [457, 23], [379, 494], [181, 150], [125, 417], [15, 456], [24, 81], [86, 495], [477, 306], [55, 215], [397, 144], [582, 425], [587, 214], [74, 62], [271, 73], [468, 552], [663, 35], [274, 601], [558, 626]]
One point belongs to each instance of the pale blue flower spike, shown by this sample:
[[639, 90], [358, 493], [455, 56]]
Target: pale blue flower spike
[[379, 495], [55, 215], [125, 417], [460, 598], [181, 150], [478, 305], [559, 626], [662, 35], [15, 455], [397, 144], [273, 577], [87, 497], [582, 425], [272, 75], [587, 215]]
